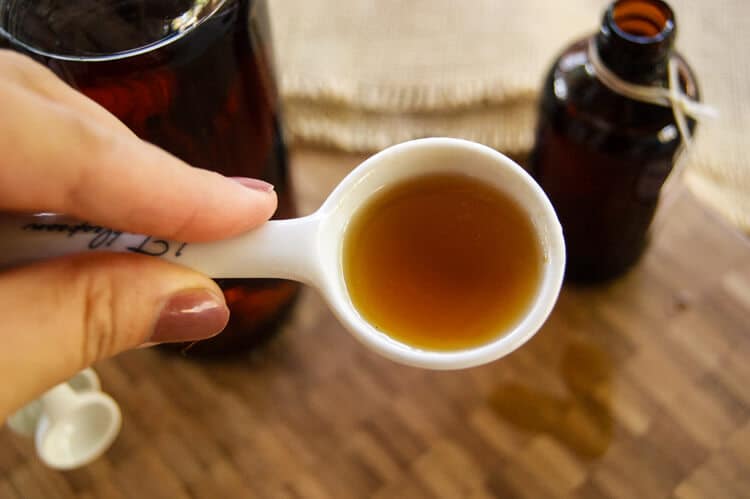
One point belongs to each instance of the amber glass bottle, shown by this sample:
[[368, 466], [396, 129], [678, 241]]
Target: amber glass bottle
[[191, 76], [600, 156]]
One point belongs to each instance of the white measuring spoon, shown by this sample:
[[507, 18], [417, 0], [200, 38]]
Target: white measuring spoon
[[309, 249], [72, 424]]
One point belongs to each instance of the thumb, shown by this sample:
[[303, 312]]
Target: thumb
[[62, 315]]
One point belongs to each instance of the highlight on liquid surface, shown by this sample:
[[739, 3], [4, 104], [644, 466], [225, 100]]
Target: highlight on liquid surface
[[442, 262]]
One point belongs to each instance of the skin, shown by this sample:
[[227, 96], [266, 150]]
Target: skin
[[61, 152]]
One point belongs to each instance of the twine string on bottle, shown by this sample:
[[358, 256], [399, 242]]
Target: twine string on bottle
[[672, 96]]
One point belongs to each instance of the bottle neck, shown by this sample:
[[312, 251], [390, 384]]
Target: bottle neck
[[636, 38]]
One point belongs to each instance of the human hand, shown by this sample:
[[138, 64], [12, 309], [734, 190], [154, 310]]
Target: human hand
[[61, 152]]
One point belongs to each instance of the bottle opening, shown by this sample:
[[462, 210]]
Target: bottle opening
[[642, 18], [99, 29]]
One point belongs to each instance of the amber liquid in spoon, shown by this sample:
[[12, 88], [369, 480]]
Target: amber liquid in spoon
[[442, 262]]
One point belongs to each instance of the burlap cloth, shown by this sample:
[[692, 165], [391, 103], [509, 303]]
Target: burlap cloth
[[362, 74]]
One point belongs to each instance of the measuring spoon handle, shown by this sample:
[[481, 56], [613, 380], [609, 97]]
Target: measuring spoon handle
[[283, 249]]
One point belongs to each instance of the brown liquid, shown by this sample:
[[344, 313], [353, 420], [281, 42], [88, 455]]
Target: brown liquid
[[442, 262], [582, 420]]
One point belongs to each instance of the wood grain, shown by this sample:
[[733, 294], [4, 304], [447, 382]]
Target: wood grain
[[634, 389]]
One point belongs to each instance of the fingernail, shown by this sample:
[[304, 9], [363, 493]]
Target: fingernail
[[254, 184], [190, 315]]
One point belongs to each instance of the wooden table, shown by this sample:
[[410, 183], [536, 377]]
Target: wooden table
[[638, 389]]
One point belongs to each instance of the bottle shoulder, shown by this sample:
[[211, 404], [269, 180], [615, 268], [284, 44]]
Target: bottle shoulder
[[574, 67], [573, 97]]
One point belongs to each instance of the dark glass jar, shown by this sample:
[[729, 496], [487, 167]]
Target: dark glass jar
[[602, 157], [191, 76]]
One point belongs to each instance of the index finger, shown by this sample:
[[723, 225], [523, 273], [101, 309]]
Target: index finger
[[56, 159]]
